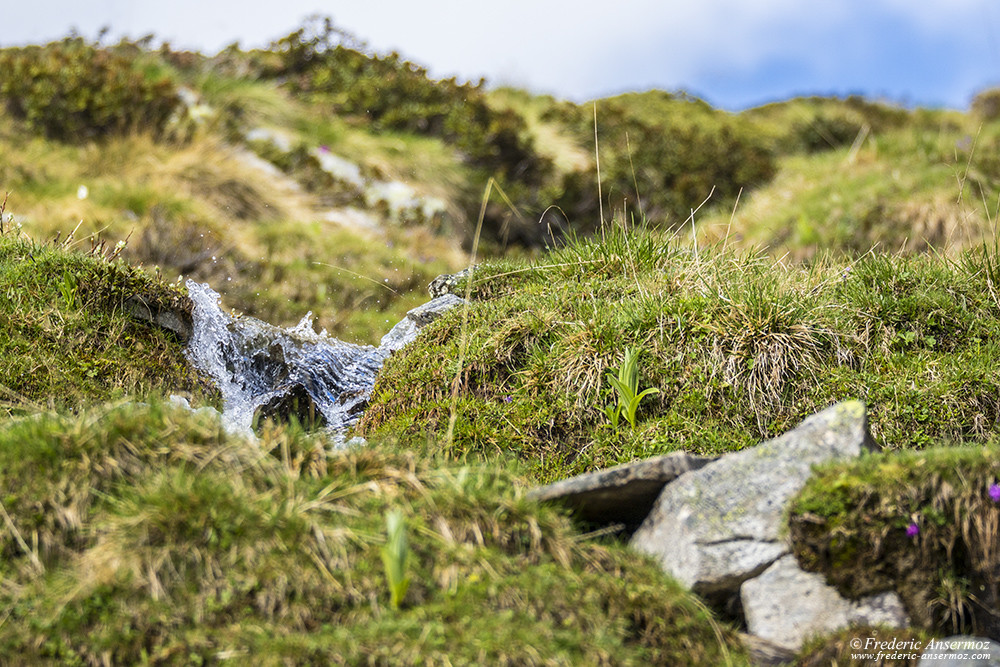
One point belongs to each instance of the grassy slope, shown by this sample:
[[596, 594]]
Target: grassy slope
[[909, 184], [739, 347], [142, 534]]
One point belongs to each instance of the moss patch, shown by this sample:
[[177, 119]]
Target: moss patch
[[67, 338]]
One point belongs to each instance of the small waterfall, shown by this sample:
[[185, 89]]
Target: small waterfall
[[256, 364]]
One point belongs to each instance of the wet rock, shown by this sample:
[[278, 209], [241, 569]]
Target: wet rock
[[288, 402], [622, 495], [416, 319], [718, 526], [176, 317], [446, 283], [786, 605]]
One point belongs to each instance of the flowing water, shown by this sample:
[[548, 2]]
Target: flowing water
[[253, 363]]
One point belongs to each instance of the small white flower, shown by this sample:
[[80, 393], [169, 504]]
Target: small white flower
[[82, 192]]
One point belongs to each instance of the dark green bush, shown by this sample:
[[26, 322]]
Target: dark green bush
[[330, 66], [665, 155], [983, 160], [826, 130], [816, 124], [74, 91], [395, 94], [986, 104]]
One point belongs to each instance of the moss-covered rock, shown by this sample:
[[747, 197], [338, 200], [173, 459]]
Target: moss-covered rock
[[70, 336], [924, 524]]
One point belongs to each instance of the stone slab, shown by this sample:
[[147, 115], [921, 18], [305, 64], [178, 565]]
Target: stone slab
[[620, 495]]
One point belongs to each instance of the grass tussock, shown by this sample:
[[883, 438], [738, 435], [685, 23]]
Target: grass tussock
[[924, 524], [740, 346], [141, 533]]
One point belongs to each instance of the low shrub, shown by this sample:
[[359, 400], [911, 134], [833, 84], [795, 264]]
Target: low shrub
[[661, 155], [73, 91], [986, 104], [332, 68], [392, 93], [816, 124]]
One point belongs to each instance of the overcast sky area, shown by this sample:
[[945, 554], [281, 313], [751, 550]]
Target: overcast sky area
[[733, 53]]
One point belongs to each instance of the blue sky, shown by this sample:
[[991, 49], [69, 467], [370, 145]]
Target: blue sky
[[733, 53]]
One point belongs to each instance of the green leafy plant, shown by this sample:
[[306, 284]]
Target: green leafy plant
[[627, 387], [395, 554], [68, 287]]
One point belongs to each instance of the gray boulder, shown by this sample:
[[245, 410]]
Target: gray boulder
[[785, 606], [718, 526], [960, 652], [622, 495], [416, 319]]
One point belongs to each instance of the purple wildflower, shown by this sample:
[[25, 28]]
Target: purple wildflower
[[912, 530], [507, 399], [994, 492]]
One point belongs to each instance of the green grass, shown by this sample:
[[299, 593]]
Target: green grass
[[137, 534], [924, 524], [740, 347], [141, 534], [67, 339]]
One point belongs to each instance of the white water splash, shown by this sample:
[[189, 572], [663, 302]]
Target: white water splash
[[252, 362]]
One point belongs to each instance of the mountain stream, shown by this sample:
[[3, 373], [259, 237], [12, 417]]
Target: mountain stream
[[257, 365]]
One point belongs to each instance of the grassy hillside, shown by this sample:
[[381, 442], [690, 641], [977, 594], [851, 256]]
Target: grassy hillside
[[146, 535], [897, 180], [754, 267], [739, 346], [313, 171]]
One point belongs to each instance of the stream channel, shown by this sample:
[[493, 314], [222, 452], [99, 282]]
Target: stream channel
[[262, 369]]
